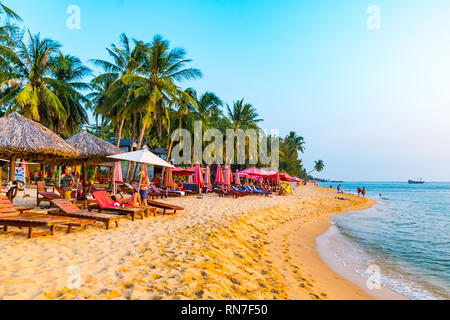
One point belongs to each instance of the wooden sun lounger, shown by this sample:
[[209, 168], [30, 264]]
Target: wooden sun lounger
[[222, 192], [23, 209], [70, 210], [130, 211], [165, 207], [105, 203], [10, 217], [229, 192], [241, 192], [44, 196], [78, 223], [166, 194]]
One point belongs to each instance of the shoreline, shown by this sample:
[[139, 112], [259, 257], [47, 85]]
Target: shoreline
[[327, 255], [255, 248], [299, 243]]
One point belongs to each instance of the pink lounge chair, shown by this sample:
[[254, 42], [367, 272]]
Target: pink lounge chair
[[106, 203]]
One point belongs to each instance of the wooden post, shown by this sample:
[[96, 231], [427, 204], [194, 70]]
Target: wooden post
[[12, 170], [85, 175]]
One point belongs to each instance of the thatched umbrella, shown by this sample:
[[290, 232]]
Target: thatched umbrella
[[91, 150], [24, 138]]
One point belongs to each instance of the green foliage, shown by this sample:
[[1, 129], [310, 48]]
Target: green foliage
[[137, 95]]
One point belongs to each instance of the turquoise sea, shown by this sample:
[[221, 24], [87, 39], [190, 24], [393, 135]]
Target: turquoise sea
[[407, 234]]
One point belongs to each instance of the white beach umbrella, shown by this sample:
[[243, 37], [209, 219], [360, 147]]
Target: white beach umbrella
[[142, 156]]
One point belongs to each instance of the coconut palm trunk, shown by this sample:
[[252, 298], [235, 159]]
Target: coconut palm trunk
[[119, 135], [133, 138], [102, 127], [139, 146]]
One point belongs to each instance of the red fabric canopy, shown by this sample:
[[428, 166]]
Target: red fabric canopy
[[219, 175], [286, 177], [255, 172], [198, 176], [185, 172]]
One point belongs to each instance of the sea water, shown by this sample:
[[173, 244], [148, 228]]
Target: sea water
[[406, 235]]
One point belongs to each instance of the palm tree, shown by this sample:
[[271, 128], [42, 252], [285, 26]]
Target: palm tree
[[8, 12], [318, 166], [97, 97], [116, 105], [290, 147], [26, 87], [207, 109], [295, 142], [242, 116], [154, 85], [69, 71]]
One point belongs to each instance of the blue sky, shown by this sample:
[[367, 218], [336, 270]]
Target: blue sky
[[373, 104]]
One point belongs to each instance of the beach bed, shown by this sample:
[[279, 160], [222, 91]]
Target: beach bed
[[70, 210], [105, 203], [43, 196], [159, 192], [222, 191], [165, 207], [10, 217]]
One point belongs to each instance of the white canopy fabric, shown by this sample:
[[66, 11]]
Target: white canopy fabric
[[142, 156]]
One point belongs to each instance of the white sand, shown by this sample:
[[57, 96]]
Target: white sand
[[218, 248]]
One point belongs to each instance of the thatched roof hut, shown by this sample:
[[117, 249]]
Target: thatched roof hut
[[92, 150], [24, 138]]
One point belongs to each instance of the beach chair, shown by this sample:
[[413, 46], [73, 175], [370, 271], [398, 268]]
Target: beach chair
[[153, 194], [126, 188], [222, 191], [133, 187], [131, 203], [10, 217], [256, 191], [166, 193], [105, 203], [242, 192], [165, 207], [43, 196], [260, 191], [70, 210]]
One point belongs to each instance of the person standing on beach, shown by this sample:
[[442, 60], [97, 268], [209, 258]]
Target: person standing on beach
[[144, 183], [359, 191], [364, 192], [67, 183]]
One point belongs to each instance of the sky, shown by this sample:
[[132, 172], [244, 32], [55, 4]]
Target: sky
[[367, 88]]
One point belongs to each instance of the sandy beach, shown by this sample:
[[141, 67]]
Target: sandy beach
[[218, 248]]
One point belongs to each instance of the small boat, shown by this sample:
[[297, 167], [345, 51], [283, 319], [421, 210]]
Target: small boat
[[420, 181]]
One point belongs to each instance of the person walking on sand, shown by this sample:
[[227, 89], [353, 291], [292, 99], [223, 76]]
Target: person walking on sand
[[144, 183], [359, 191], [67, 183], [363, 192]]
